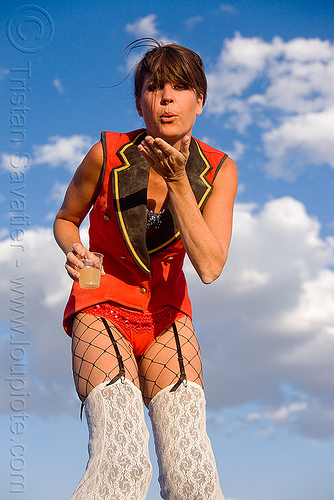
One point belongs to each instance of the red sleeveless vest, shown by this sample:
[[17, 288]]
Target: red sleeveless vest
[[139, 275]]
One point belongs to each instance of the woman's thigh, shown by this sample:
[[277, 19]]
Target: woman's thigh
[[159, 366], [94, 358]]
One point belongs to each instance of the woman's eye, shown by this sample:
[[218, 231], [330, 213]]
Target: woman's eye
[[152, 87], [179, 87]]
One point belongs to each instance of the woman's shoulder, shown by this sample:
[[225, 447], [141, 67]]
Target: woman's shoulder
[[95, 154]]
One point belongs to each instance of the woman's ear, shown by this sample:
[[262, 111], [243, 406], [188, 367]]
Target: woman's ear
[[199, 105], [138, 106]]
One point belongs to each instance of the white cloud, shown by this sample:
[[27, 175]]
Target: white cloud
[[63, 151], [250, 279], [228, 8], [285, 88], [238, 150], [58, 85], [279, 415], [67, 152], [58, 192], [312, 49], [144, 27], [4, 232], [45, 287], [193, 21], [10, 162], [6, 162], [289, 76], [236, 153], [45, 290], [241, 61], [269, 319], [300, 141]]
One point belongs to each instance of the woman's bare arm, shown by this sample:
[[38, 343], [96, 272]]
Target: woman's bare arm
[[78, 200], [206, 237]]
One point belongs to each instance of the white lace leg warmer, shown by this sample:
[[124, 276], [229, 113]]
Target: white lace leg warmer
[[119, 467], [186, 462]]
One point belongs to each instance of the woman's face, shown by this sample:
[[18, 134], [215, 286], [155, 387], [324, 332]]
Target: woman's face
[[169, 112]]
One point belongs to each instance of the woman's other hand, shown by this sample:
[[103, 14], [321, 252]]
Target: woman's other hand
[[74, 260]]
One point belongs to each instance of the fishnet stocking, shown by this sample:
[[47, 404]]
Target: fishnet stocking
[[95, 361], [159, 365], [93, 355]]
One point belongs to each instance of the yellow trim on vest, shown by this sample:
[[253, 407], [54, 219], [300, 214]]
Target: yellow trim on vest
[[164, 245], [202, 175], [116, 170], [206, 183], [127, 165]]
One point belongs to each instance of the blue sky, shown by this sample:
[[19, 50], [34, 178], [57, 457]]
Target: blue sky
[[266, 326]]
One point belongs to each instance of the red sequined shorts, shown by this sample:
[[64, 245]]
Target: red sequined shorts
[[139, 328]]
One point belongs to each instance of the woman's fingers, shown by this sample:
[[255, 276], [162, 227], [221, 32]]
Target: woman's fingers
[[166, 160], [146, 154], [185, 144], [160, 148], [80, 250], [73, 260]]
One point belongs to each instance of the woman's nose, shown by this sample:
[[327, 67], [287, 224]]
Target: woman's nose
[[167, 95]]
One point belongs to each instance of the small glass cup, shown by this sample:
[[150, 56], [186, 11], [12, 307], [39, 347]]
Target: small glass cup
[[90, 274]]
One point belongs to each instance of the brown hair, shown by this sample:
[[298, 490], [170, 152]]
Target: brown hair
[[169, 63]]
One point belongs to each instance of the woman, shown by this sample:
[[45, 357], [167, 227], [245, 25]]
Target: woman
[[154, 194]]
